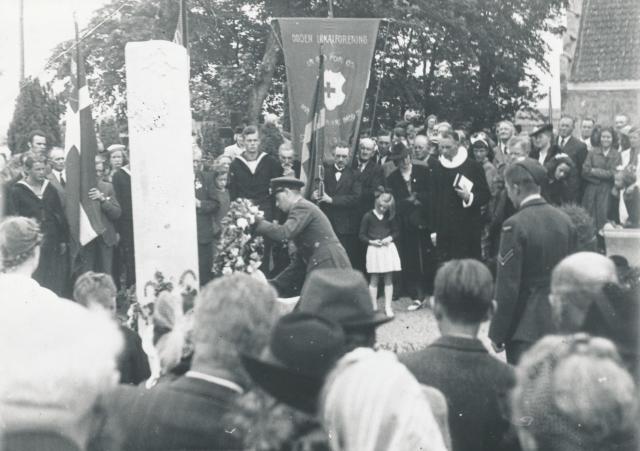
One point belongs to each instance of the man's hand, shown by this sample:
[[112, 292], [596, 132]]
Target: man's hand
[[326, 199], [464, 194], [497, 348], [95, 194]]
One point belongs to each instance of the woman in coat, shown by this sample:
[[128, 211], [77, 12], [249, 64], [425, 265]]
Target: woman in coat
[[409, 185], [598, 172]]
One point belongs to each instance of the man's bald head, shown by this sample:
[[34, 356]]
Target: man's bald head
[[576, 282]]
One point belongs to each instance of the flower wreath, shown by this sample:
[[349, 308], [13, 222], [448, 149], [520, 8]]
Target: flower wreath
[[238, 250]]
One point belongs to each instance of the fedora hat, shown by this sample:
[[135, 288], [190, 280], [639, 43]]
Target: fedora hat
[[302, 350], [341, 295]]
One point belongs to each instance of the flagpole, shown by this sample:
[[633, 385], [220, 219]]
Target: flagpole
[[185, 24], [21, 42], [78, 54], [330, 13]]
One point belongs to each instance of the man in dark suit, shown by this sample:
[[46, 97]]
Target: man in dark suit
[[371, 176], [55, 263], [126, 260], [191, 412], [533, 241], [317, 245], [340, 199], [474, 383], [206, 204], [568, 144]]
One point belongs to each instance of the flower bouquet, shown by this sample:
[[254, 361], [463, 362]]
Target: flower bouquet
[[238, 250]]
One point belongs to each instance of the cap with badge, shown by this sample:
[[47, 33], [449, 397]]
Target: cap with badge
[[541, 129], [534, 168], [279, 184]]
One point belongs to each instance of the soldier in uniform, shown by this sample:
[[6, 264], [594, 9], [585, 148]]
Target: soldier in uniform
[[532, 242], [317, 246]]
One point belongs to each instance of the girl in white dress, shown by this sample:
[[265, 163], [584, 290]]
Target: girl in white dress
[[379, 230]]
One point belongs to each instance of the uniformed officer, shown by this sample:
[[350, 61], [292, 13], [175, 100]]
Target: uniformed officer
[[532, 242], [317, 246]]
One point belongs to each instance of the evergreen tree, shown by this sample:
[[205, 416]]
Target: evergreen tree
[[37, 108]]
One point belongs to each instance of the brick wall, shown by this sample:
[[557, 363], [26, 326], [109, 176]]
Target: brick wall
[[603, 105]]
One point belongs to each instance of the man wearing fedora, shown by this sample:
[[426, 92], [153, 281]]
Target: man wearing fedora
[[532, 242], [233, 316], [317, 245]]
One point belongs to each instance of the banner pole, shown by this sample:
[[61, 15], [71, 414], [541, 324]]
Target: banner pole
[[330, 13]]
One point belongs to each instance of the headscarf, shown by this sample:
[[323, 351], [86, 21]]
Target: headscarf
[[370, 401], [19, 236]]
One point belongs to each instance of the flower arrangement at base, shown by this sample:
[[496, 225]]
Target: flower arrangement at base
[[238, 250]]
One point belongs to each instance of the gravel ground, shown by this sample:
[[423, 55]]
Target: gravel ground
[[411, 331]]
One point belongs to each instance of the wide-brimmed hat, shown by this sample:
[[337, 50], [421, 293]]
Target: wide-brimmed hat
[[398, 151], [341, 295], [302, 350], [541, 129]]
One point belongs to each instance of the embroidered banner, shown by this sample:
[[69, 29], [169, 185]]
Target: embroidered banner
[[347, 47]]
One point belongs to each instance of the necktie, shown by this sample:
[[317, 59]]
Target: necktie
[[62, 180]]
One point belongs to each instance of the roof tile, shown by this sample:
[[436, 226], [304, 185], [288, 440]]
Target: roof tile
[[608, 45]]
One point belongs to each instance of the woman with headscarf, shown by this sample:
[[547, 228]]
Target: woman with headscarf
[[371, 402], [20, 241]]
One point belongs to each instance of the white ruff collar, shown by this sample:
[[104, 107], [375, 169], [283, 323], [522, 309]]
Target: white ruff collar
[[460, 158]]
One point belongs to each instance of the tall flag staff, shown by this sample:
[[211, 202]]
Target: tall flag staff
[[313, 144], [82, 213]]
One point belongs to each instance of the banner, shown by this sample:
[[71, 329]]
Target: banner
[[347, 46]]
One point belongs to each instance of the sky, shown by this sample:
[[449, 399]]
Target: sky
[[46, 24], [50, 22]]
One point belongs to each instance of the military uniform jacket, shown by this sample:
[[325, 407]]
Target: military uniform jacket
[[314, 238], [533, 241]]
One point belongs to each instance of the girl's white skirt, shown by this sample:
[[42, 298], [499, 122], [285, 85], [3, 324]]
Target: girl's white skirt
[[383, 259]]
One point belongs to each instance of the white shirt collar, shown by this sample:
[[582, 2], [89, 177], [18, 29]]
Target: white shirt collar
[[215, 380], [378, 215], [460, 158], [529, 198]]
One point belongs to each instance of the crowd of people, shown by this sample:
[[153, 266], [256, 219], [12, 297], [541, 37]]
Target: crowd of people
[[506, 230], [240, 374]]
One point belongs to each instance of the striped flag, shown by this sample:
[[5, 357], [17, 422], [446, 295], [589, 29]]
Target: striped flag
[[83, 214], [180, 35], [313, 141]]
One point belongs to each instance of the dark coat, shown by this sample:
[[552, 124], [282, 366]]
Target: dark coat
[[577, 151], [24, 202], [458, 227], [244, 184], [204, 189], [475, 385], [184, 414], [121, 181], [631, 198], [133, 362], [317, 245], [533, 241], [110, 211], [345, 194], [370, 178], [55, 264]]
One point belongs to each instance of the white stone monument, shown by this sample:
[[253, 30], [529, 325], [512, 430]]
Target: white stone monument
[[162, 179]]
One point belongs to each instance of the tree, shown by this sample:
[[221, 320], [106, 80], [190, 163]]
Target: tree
[[37, 108], [466, 60]]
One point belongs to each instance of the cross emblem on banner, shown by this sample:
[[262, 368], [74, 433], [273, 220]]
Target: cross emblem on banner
[[329, 89]]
